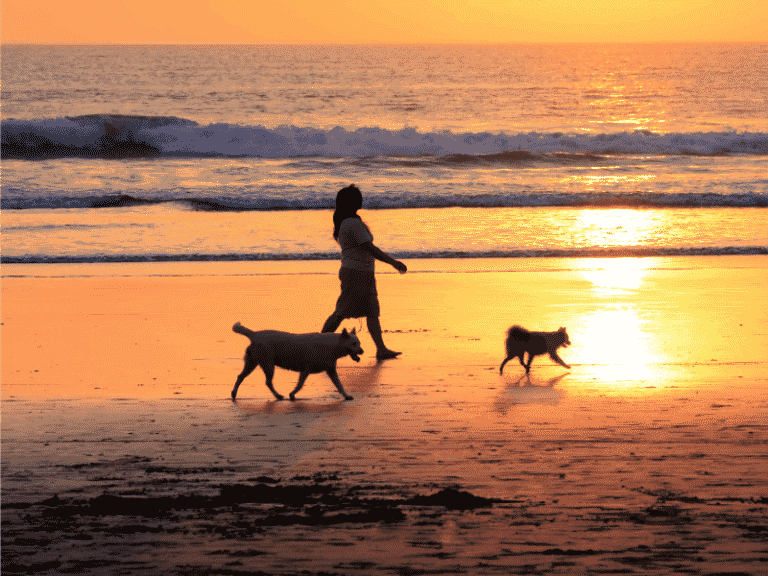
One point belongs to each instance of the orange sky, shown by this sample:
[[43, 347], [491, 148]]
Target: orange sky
[[373, 21]]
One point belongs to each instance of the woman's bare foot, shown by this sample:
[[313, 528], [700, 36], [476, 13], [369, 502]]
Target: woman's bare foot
[[386, 354]]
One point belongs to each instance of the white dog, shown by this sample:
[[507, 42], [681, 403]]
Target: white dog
[[304, 353]]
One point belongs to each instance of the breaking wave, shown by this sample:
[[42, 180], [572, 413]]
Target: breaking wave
[[128, 136], [595, 252], [310, 200]]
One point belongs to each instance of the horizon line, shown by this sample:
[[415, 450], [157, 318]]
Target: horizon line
[[514, 43]]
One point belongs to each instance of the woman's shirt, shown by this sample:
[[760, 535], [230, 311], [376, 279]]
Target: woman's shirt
[[352, 233]]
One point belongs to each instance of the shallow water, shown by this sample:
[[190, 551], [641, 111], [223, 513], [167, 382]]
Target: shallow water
[[172, 232]]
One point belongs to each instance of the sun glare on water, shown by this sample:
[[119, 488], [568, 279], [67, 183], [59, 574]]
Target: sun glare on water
[[617, 227], [616, 346]]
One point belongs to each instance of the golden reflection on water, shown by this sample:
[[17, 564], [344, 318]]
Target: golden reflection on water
[[617, 275], [618, 104], [593, 181], [615, 344], [617, 348], [617, 227]]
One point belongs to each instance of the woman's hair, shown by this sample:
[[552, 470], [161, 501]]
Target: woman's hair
[[348, 201]]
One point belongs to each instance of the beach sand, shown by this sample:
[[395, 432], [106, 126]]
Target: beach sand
[[122, 452]]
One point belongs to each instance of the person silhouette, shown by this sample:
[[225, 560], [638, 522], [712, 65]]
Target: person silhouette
[[357, 273]]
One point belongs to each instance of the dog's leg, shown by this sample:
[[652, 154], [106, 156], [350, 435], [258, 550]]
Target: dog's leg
[[522, 360], [335, 379], [530, 360], [557, 359], [250, 366], [507, 359], [299, 385], [269, 372]]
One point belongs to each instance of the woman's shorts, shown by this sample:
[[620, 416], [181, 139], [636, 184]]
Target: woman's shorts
[[359, 297]]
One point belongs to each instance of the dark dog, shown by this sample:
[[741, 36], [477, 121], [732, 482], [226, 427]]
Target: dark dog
[[520, 341], [304, 353]]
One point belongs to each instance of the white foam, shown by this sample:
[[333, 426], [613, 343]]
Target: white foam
[[179, 137]]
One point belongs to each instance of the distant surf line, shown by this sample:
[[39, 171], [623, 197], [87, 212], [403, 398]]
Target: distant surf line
[[604, 252], [15, 199], [115, 136]]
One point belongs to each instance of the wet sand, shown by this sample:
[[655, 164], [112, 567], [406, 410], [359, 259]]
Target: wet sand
[[123, 454]]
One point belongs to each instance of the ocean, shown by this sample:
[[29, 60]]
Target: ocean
[[197, 153]]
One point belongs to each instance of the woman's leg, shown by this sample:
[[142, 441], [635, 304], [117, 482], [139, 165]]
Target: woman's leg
[[332, 323], [382, 352]]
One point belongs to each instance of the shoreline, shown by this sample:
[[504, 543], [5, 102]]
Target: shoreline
[[331, 265], [644, 457], [173, 233], [177, 317]]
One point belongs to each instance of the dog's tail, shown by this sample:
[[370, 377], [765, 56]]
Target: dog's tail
[[519, 333], [240, 329]]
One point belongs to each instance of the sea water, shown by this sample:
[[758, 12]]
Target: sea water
[[142, 153]]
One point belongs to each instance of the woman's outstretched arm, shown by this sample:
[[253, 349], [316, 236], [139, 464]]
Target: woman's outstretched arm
[[379, 254]]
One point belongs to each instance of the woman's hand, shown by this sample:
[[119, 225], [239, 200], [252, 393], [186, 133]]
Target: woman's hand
[[379, 254]]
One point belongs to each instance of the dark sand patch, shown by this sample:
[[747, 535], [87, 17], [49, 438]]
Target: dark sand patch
[[328, 523]]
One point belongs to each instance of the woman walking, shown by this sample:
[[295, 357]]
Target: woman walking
[[358, 256]]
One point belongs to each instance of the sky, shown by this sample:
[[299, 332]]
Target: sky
[[380, 21]]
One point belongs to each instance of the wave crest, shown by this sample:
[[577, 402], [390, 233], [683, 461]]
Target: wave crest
[[315, 201], [615, 252], [117, 136]]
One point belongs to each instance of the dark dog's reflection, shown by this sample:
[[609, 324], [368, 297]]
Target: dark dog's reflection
[[523, 391]]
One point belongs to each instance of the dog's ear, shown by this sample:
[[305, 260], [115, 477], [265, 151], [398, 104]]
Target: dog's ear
[[344, 333], [354, 331]]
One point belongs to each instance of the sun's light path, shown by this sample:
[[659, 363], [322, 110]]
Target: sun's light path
[[615, 344]]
